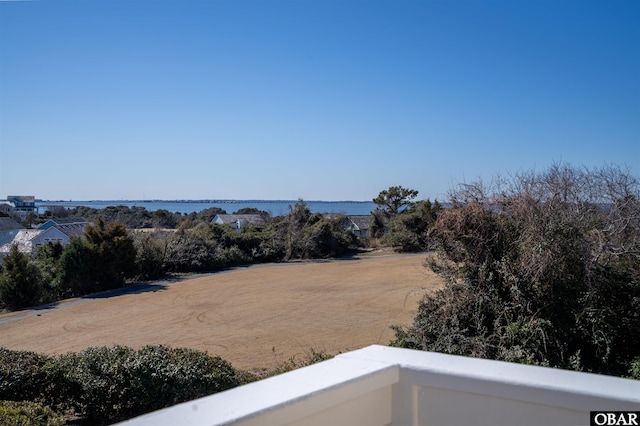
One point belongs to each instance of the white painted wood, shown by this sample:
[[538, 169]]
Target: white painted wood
[[380, 385]]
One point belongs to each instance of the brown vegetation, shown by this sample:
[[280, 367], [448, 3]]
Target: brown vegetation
[[255, 317]]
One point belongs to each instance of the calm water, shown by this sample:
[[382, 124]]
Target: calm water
[[276, 208]]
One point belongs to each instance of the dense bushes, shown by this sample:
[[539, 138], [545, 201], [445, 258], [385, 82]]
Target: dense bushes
[[407, 231], [102, 385], [108, 255], [135, 217], [25, 413], [23, 375], [543, 269], [101, 260], [109, 384]]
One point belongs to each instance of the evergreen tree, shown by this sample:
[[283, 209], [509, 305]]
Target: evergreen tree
[[102, 259], [20, 281]]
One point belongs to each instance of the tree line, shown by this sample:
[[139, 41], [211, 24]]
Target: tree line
[[137, 217], [116, 248], [108, 256]]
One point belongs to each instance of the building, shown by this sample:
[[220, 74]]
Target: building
[[19, 205], [28, 239], [359, 225], [8, 229], [384, 386], [71, 226], [238, 221]]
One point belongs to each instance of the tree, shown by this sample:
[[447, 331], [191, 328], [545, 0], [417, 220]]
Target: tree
[[306, 235], [407, 232], [164, 219], [401, 222], [20, 280], [30, 219], [102, 259], [295, 223], [193, 249], [151, 253], [47, 257], [395, 200], [543, 268]]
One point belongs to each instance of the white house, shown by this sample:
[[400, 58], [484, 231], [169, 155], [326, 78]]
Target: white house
[[237, 221], [19, 205], [72, 227], [28, 239], [359, 225]]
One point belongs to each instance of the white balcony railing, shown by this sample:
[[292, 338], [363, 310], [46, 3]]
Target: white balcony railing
[[380, 385]]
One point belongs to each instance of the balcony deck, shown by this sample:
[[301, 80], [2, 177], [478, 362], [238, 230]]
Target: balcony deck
[[380, 385]]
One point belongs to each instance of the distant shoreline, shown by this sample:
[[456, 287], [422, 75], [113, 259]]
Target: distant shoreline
[[274, 207], [229, 201]]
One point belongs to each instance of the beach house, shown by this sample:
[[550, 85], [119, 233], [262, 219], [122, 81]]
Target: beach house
[[27, 240], [238, 221], [19, 205]]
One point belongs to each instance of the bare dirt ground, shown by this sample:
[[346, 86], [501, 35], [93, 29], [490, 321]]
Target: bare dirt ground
[[255, 317]]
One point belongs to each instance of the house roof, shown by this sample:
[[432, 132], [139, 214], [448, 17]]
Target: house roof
[[22, 198], [361, 221], [22, 240], [230, 219], [72, 229], [8, 224], [63, 222]]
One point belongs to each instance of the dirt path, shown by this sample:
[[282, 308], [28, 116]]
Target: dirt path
[[254, 317]]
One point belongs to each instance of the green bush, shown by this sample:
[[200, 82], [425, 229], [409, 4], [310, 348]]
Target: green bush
[[25, 413], [111, 384], [192, 250], [23, 375], [151, 253], [120, 382], [20, 281]]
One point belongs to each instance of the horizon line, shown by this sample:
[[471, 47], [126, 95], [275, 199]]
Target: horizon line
[[203, 200]]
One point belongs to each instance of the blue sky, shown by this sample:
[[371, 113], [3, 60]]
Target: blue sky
[[320, 100]]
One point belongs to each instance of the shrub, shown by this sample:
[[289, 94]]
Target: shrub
[[232, 256], [22, 375], [541, 270], [25, 413], [151, 252], [192, 250], [119, 382], [110, 384]]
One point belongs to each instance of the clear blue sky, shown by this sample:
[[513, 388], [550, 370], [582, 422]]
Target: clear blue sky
[[312, 99]]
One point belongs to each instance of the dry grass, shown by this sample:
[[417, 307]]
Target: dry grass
[[255, 317]]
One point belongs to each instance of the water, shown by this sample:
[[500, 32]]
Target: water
[[274, 207]]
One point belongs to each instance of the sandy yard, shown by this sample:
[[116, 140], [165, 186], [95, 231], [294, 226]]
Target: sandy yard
[[254, 317]]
